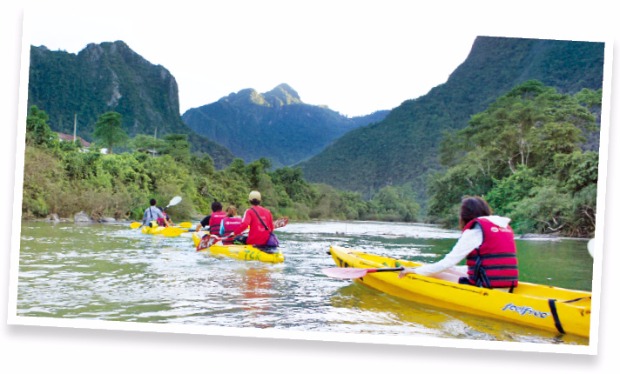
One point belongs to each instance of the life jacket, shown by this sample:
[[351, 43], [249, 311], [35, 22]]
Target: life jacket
[[494, 263], [215, 221], [230, 225]]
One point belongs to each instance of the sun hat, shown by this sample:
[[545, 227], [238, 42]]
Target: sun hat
[[254, 195]]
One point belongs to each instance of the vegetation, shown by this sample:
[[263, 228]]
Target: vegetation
[[524, 155], [110, 77], [62, 178], [404, 148], [296, 131]]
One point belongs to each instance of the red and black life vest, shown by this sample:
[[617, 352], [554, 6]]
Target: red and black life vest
[[230, 225], [215, 221], [494, 263]]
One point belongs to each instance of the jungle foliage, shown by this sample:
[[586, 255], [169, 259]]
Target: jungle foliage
[[61, 177], [525, 156]]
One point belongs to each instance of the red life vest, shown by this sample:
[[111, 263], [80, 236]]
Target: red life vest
[[494, 263], [215, 221], [230, 225]]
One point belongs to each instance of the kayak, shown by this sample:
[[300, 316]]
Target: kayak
[[544, 307], [163, 230], [238, 251]]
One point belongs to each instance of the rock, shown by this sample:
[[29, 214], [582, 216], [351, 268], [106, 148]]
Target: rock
[[81, 217], [107, 219], [53, 218]]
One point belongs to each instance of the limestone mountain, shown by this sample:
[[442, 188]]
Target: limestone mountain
[[275, 125], [110, 77], [404, 147]]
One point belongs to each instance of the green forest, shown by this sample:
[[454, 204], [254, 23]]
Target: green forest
[[524, 154], [62, 178]]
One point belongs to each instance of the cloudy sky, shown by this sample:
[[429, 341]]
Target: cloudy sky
[[354, 57]]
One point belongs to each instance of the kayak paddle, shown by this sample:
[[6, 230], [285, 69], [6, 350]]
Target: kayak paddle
[[353, 273]]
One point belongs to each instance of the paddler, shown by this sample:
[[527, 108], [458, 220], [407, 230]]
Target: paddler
[[260, 222], [487, 242], [229, 224], [213, 220], [152, 214]]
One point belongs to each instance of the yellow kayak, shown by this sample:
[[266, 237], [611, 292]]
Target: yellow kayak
[[238, 251], [163, 230], [545, 307]]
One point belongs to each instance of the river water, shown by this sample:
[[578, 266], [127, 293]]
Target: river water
[[109, 272]]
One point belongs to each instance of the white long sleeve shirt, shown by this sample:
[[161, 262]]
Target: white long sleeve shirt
[[469, 240]]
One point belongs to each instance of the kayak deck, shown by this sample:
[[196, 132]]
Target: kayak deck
[[238, 251], [540, 306]]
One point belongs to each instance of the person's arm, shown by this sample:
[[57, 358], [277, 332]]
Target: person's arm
[[470, 240], [203, 223], [247, 219]]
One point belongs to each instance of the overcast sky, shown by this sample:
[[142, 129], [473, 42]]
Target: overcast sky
[[355, 58]]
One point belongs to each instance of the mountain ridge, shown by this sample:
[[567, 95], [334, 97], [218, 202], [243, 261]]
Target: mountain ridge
[[276, 124], [110, 76], [404, 147]]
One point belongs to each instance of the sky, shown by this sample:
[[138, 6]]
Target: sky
[[162, 31], [345, 57]]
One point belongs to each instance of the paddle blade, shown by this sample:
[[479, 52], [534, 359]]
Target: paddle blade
[[135, 224], [345, 273], [175, 200], [353, 273], [280, 222], [186, 225], [207, 241]]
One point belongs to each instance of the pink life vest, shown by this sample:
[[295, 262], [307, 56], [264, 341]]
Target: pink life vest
[[230, 225], [494, 263]]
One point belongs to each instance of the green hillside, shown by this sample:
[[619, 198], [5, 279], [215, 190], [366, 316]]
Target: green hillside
[[110, 77], [276, 125], [404, 148]]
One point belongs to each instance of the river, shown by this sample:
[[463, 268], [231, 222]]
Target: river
[[109, 272]]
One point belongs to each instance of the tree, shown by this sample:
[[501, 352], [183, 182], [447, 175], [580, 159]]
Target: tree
[[38, 132], [178, 147], [108, 129]]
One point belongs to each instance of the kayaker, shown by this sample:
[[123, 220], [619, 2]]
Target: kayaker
[[153, 214], [166, 221], [213, 220], [487, 242], [231, 222], [260, 222]]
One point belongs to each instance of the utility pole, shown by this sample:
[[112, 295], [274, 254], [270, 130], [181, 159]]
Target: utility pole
[[74, 127]]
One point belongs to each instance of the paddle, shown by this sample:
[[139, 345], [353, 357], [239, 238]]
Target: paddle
[[174, 201], [353, 273], [206, 243]]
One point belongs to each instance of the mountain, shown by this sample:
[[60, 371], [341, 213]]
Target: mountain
[[110, 77], [403, 148], [275, 125]]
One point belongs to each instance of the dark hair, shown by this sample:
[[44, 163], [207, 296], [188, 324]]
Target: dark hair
[[473, 207], [153, 201], [216, 206]]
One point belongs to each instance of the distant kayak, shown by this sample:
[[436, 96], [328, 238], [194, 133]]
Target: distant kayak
[[237, 251], [163, 230], [545, 307]]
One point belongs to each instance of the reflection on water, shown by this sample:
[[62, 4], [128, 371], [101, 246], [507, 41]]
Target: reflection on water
[[110, 272]]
